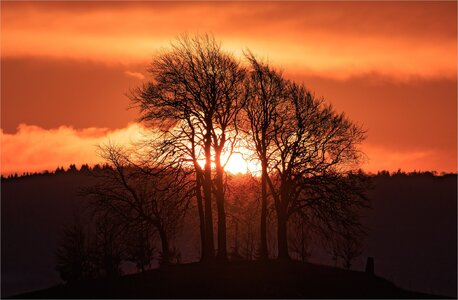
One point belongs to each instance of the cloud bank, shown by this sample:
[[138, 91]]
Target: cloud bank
[[35, 149], [337, 40]]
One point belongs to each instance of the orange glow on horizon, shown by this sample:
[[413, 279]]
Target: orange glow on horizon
[[238, 163], [390, 66], [24, 151]]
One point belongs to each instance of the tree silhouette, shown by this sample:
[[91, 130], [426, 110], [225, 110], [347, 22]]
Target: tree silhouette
[[198, 99], [107, 246], [195, 98], [300, 238], [140, 247], [138, 194], [311, 156], [350, 249], [265, 88], [347, 246], [73, 254], [243, 213]]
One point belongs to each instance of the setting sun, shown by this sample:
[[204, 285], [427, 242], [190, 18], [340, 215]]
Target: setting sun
[[239, 163]]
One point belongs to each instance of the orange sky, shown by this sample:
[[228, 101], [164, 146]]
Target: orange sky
[[391, 66]]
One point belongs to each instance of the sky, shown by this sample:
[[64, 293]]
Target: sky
[[66, 68]]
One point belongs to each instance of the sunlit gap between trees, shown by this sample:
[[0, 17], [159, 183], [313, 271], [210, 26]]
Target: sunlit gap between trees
[[239, 160]]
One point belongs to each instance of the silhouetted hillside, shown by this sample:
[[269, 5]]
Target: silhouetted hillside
[[411, 230], [34, 211], [235, 280]]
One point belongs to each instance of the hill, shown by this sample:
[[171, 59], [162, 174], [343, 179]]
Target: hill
[[34, 211], [411, 226], [235, 280], [412, 231]]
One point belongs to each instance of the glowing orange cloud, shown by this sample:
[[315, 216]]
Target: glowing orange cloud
[[336, 40], [33, 148], [36, 149]]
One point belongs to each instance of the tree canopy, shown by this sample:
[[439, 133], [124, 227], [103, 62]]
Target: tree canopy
[[203, 104]]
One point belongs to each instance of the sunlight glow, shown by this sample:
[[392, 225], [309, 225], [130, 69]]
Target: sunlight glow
[[239, 164]]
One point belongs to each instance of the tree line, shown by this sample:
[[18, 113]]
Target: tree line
[[87, 169], [202, 104]]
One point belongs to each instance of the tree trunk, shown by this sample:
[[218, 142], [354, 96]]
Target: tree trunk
[[219, 182], [282, 234], [165, 246], [207, 186], [263, 254], [203, 248]]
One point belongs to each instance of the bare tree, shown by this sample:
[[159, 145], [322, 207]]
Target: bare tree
[[106, 246], [243, 210], [310, 154], [322, 179], [196, 92], [73, 254], [347, 245], [265, 89], [137, 194], [300, 238], [140, 246]]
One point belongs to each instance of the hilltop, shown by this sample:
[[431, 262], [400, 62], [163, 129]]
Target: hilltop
[[271, 279], [411, 230]]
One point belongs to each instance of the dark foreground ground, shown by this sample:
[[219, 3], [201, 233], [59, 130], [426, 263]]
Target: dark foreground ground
[[235, 280], [411, 226]]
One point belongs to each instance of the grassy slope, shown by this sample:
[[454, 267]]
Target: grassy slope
[[235, 280]]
